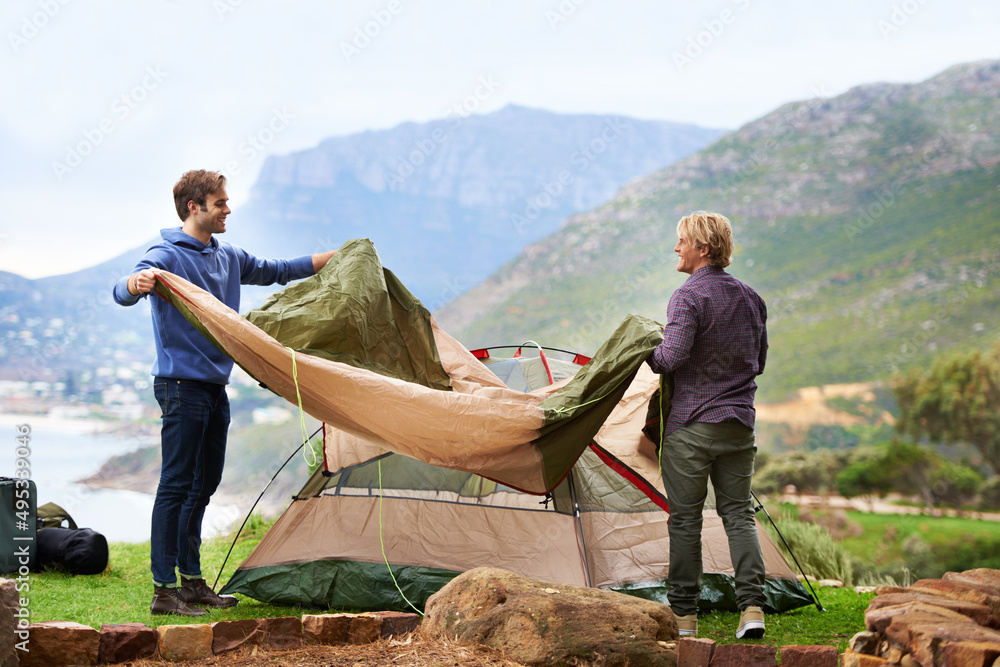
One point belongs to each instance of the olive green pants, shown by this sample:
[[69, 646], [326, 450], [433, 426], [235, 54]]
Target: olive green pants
[[690, 456]]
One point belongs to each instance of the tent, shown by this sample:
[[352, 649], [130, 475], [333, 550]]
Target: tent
[[434, 463]]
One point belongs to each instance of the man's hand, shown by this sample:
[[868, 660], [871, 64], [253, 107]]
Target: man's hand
[[320, 259], [142, 282]]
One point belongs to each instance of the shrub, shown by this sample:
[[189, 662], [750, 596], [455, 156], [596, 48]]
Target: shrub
[[953, 484], [814, 548], [989, 494]]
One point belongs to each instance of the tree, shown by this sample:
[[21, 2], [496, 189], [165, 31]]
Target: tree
[[954, 485], [956, 401], [897, 466]]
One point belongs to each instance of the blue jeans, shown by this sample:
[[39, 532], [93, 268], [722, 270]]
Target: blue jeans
[[689, 457], [193, 448]]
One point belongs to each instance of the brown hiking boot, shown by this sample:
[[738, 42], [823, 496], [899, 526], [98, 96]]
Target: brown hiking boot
[[169, 601], [196, 591]]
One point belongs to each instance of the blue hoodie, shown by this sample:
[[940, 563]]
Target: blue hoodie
[[218, 267]]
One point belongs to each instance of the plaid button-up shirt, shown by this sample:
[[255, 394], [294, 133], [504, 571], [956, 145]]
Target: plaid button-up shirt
[[715, 344]]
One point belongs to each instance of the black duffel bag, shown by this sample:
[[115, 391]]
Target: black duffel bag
[[78, 551]]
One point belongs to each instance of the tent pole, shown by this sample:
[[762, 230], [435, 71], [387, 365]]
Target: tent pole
[[252, 507], [579, 527], [760, 506]]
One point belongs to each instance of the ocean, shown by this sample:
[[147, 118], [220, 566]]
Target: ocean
[[64, 450]]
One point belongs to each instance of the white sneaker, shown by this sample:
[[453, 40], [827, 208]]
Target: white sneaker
[[687, 626], [751, 623]]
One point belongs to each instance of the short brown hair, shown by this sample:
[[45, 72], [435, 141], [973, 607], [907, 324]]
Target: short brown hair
[[195, 186], [712, 230]]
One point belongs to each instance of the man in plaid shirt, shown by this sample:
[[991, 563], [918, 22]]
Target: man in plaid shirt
[[714, 345]]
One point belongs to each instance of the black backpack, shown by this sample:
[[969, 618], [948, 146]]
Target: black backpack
[[76, 550]]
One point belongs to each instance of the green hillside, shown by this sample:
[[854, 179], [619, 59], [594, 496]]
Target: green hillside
[[869, 222]]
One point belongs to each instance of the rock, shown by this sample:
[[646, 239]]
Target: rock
[[395, 623], [979, 613], [125, 642], [9, 606], [744, 655], [55, 643], [283, 631], [231, 635], [852, 659], [831, 583], [968, 591], [985, 577], [365, 629], [694, 651], [969, 654], [865, 642], [808, 656], [178, 643], [877, 620], [514, 614], [328, 629], [921, 639]]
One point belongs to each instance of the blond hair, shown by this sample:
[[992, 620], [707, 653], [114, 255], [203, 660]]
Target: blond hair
[[711, 230]]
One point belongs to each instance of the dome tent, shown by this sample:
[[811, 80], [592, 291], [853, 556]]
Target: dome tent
[[433, 465]]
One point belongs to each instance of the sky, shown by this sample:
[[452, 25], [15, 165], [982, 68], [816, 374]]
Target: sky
[[105, 103]]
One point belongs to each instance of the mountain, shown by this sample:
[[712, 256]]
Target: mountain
[[869, 222], [441, 200], [449, 201]]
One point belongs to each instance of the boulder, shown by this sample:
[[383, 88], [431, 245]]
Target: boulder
[[542, 623], [125, 642], [54, 643]]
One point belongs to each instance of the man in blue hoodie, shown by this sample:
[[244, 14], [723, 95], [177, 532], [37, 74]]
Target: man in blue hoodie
[[189, 380]]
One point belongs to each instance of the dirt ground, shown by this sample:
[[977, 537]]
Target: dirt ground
[[409, 651]]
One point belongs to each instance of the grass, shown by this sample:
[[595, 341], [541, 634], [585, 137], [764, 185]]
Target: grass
[[927, 546], [844, 616], [123, 592]]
